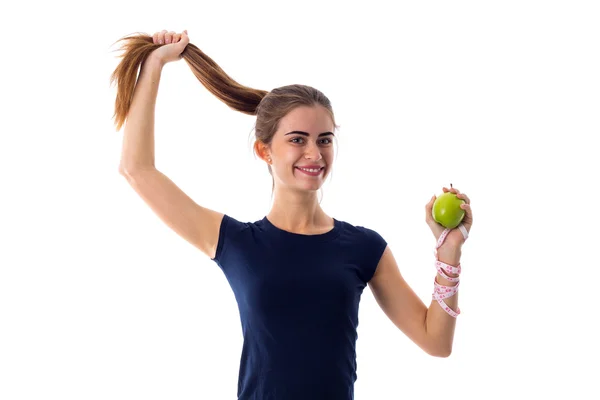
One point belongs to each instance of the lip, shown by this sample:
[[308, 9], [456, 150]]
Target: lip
[[318, 173], [310, 166]]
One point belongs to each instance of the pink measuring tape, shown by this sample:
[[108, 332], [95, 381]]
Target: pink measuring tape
[[441, 292]]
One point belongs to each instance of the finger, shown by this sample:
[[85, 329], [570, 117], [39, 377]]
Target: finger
[[176, 38], [430, 203], [451, 190], [464, 197], [468, 213], [161, 36], [169, 37], [184, 35], [155, 38]]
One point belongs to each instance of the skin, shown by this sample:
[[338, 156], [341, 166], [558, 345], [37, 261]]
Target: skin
[[295, 206], [296, 209]]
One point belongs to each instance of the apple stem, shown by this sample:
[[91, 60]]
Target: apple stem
[[450, 186]]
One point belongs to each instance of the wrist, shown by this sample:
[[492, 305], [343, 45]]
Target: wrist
[[155, 61], [445, 282], [449, 255]]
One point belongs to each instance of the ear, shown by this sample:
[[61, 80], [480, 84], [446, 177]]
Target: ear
[[262, 150]]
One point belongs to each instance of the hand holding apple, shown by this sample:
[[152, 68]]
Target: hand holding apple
[[448, 211]]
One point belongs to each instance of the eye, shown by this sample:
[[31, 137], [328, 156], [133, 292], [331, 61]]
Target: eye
[[323, 141]]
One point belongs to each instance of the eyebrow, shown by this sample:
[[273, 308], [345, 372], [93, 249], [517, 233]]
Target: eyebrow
[[306, 134]]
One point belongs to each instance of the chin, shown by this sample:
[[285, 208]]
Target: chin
[[310, 187], [310, 180]]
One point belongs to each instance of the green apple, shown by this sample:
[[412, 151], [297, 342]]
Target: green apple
[[446, 210]]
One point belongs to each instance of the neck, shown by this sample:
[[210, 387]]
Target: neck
[[298, 212]]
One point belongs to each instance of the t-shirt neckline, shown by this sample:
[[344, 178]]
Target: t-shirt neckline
[[331, 234]]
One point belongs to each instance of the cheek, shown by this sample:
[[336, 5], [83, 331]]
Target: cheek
[[328, 157]]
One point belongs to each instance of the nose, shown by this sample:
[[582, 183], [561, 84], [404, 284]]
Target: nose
[[313, 153]]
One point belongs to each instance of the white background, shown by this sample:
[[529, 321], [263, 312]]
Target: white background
[[101, 300]]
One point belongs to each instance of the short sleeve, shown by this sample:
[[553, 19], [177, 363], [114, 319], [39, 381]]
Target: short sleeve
[[375, 246], [228, 232]]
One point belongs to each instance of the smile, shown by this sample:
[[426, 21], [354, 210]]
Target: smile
[[311, 171]]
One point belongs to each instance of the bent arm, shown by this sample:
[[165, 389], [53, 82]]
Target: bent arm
[[199, 225], [432, 329]]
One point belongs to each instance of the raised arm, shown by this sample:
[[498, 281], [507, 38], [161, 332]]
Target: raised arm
[[198, 225], [138, 138]]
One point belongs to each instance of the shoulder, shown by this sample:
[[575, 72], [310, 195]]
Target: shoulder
[[233, 233], [239, 225], [233, 223], [369, 246], [367, 240], [364, 233]]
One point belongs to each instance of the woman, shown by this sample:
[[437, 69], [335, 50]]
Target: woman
[[297, 274]]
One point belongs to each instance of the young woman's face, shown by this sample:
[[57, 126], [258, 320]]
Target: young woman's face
[[302, 148]]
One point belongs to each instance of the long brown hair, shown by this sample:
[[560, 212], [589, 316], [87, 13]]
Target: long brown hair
[[269, 107]]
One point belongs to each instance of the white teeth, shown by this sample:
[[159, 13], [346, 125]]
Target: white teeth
[[310, 170]]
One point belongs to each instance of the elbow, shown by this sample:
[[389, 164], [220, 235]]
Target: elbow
[[439, 351], [438, 347], [444, 354], [128, 172], [123, 170]]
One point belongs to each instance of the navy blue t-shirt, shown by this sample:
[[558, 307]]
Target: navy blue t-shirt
[[298, 298]]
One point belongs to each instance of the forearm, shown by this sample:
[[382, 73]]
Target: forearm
[[439, 324], [138, 138]]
